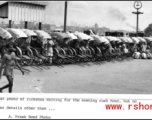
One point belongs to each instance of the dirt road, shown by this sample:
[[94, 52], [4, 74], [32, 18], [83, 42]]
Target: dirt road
[[115, 77]]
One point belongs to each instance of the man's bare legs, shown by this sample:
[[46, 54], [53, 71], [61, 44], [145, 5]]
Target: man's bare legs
[[9, 85]]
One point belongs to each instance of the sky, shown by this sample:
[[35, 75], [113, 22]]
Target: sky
[[111, 14]]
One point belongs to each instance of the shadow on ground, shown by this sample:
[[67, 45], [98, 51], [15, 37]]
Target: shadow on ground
[[82, 64]]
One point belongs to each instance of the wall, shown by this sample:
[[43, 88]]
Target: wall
[[25, 12]]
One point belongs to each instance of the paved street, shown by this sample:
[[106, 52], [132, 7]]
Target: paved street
[[115, 77]]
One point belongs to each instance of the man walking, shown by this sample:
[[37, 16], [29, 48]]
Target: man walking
[[8, 63]]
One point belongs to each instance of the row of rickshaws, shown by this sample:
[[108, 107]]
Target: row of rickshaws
[[38, 47]]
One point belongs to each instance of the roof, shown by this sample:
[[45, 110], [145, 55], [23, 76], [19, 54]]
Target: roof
[[34, 3], [24, 2], [3, 4]]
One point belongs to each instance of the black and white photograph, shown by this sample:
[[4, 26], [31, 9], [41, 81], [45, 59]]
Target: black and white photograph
[[75, 59], [89, 47]]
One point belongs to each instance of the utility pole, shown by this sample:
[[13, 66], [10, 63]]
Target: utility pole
[[137, 5], [65, 16]]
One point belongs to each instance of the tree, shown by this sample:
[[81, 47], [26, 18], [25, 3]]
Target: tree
[[148, 30]]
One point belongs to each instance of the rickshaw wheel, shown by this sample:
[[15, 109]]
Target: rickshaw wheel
[[20, 62], [74, 51], [78, 59], [29, 62], [18, 52], [62, 52], [70, 52], [58, 61], [92, 50], [29, 52], [44, 53], [88, 52]]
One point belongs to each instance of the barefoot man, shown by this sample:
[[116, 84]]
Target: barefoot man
[[8, 63]]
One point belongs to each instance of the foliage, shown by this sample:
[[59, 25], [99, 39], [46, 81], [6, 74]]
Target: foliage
[[148, 30]]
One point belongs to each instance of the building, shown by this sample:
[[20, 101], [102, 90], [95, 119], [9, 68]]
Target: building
[[23, 11], [114, 33]]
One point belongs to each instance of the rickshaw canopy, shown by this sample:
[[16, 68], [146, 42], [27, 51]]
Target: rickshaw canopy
[[99, 39], [59, 36], [118, 39], [5, 34], [81, 36], [91, 38], [17, 33], [149, 39], [124, 39], [105, 40], [142, 39], [110, 38], [42, 34], [72, 36], [29, 32], [129, 39], [135, 40]]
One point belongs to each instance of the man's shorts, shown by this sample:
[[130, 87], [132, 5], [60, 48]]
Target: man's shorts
[[8, 72]]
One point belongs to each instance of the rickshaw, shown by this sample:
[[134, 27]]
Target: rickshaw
[[139, 47], [83, 51], [98, 45], [62, 53], [142, 44], [136, 44], [72, 44], [128, 46], [149, 43], [115, 46], [35, 46], [142, 40], [23, 51], [78, 54], [43, 45], [118, 44]]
